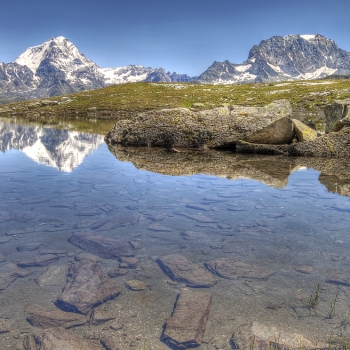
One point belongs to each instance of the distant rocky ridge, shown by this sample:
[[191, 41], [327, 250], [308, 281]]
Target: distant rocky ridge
[[57, 67], [293, 57]]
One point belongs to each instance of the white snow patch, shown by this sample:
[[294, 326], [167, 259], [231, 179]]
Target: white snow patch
[[243, 68], [275, 68], [308, 36]]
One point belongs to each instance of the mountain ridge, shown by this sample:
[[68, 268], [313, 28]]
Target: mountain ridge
[[57, 67]]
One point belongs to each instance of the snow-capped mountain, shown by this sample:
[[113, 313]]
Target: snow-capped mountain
[[61, 149], [57, 67], [293, 57]]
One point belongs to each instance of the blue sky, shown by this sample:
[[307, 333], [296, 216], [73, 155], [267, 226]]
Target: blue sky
[[180, 35]]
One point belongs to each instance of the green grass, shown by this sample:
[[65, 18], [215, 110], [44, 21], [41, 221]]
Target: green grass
[[134, 97]]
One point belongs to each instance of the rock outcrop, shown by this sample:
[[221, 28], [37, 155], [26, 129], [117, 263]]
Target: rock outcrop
[[186, 326], [337, 115], [216, 128], [87, 286]]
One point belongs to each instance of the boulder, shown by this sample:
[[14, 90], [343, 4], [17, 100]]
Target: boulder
[[179, 269], [186, 326], [87, 286], [260, 336], [337, 115], [303, 132], [216, 128], [58, 339], [104, 247], [232, 269], [334, 144], [57, 318]]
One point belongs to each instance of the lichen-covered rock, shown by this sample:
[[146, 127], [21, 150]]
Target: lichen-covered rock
[[216, 128], [337, 115], [303, 132], [334, 144]]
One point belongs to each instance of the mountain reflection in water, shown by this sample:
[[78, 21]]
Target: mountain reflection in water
[[273, 171], [60, 149]]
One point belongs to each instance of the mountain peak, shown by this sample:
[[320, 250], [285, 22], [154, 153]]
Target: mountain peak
[[57, 49]]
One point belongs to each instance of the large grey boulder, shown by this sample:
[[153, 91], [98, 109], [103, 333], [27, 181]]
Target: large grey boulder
[[337, 115], [216, 128]]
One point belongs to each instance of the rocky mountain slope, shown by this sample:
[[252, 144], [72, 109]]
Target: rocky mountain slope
[[293, 57], [57, 67]]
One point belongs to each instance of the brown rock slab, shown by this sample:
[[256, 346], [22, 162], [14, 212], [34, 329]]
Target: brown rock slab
[[58, 339], [109, 343], [52, 276], [5, 326], [265, 337], [25, 216], [29, 247], [339, 278], [193, 235], [186, 326], [305, 269], [57, 318], [159, 227], [87, 286], [100, 316], [136, 285], [117, 272], [126, 262], [87, 256], [232, 269], [9, 273], [135, 244], [39, 260], [179, 269], [5, 216], [104, 247], [4, 240]]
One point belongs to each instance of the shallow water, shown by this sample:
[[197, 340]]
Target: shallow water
[[286, 216]]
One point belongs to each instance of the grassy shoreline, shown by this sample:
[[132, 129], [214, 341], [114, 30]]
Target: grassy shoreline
[[121, 100]]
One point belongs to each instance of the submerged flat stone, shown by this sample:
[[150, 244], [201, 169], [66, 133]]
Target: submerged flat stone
[[87, 286], [25, 216], [186, 326], [58, 339], [5, 216], [179, 269], [52, 276], [199, 218], [270, 337], [39, 260], [136, 285], [56, 318], [232, 269], [9, 273], [100, 316], [104, 247]]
